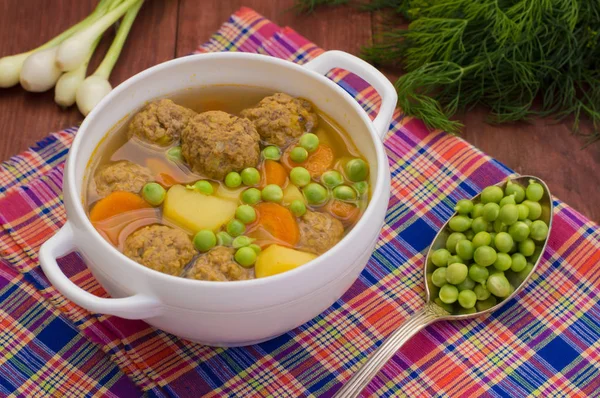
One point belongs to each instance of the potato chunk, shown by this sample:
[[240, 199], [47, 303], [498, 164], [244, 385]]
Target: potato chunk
[[276, 259]]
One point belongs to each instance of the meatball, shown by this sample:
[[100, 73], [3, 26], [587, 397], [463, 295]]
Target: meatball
[[280, 118], [319, 232], [160, 122], [218, 265], [122, 175], [161, 248], [215, 143]]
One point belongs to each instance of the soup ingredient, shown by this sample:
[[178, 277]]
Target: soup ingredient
[[503, 262], [456, 273], [174, 154], [205, 240], [448, 293], [347, 212], [490, 211], [161, 123], [195, 211], [271, 153], [215, 143], [160, 248], [300, 176], [516, 190], [356, 170], [438, 278], [539, 230], [523, 211], [332, 179], [479, 225], [298, 208], [478, 273], [319, 161], [272, 193], [218, 265], [235, 228], [280, 118], [291, 193], [68, 83], [484, 256], [245, 214], [535, 209], [39, 72], [362, 187], [534, 191], [519, 231], [277, 259], [482, 238], [224, 239], [121, 175], [251, 196], [245, 256], [440, 257], [518, 262], [202, 186], [315, 194], [503, 242], [319, 232], [509, 214], [154, 193], [274, 173], [251, 176], [510, 199], [298, 154], [498, 285], [527, 247], [242, 241], [464, 249], [467, 298], [344, 192], [233, 179], [278, 222], [460, 223], [452, 240], [491, 194], [464, 207], [309, 141], [116, 203]]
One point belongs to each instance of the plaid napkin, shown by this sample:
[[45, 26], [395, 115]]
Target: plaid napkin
[[544, 342]]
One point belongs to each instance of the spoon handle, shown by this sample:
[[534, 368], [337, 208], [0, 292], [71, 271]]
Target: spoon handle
[[388, 348]]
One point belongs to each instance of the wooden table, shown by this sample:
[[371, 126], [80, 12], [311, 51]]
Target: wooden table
[[170, 28]]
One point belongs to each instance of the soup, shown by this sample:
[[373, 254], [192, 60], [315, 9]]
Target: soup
[[227, 183]]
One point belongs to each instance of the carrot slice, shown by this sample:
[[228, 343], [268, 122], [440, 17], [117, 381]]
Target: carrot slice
[[347, 212], [274, 173], [317, 163], [116, 203], [276, 221]]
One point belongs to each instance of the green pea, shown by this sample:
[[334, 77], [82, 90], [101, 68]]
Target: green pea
[[456, 273], [482, 238], [332, 179], [361, 187], [528, 222], [534, 191], [454, 259], [466, 311], [272, 193], [309, 141], [357, 170], [298, 208], [467, 284], [256, 248], [490, 211], [460, 223], [479, 225], [527, 247], [508, 200], [503, 242], [493, 243], [440, 257], [536, 254], [499, 226], [516, 190], [251, 196], [491, 194], [174, 154], [452, 240], [250, 176], [477, 211], [446, 307], [464, 207], [300, 176], [481, 292], [484, 305], [484, 256], [523, 211], [519, 231], [498, 285], [344, 192], [503, 262], [519, 262], [298, 154], [464, 249], [233, 180], [224, 239], [202, 186], [469, 234], [245, 256], [539, 230], [535, 209], [524, 273], [478, 273], [271, 153], [241, 241], [205, 240], [438, 277], [235, 227], [467, 299], [154, 193], [509, 214], [448, 294], [314, 193], [246, 214]]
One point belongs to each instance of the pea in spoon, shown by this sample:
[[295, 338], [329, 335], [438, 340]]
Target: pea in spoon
[[432, 312]]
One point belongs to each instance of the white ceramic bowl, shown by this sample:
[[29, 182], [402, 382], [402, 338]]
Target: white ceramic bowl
[[224, 313]]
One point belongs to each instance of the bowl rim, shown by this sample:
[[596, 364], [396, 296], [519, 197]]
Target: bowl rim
[[78, 211]]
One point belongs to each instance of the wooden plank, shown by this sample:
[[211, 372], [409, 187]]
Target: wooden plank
[[27, 117]]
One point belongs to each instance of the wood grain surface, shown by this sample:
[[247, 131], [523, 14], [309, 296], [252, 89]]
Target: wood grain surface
[[168, 28]]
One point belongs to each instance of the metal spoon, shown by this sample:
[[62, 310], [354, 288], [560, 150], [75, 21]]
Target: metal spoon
[[431, 312]]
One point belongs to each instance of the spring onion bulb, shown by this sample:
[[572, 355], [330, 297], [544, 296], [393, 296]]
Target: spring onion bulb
[[39, 72], [67, 84], [10, 69], [97, 86]]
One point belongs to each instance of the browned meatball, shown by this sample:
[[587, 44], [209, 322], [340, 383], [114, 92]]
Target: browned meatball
[[161, 248], [122, 175], [319, 232], [215, 143], [280, 118], [160, 122], [218, 265]]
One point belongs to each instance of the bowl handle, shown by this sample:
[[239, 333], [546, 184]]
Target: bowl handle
[[134, 307], [339, 59]]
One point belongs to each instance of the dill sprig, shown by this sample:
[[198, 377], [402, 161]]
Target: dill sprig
[[503, 54]]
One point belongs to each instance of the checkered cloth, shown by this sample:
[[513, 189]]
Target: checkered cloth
[[544, 342]]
